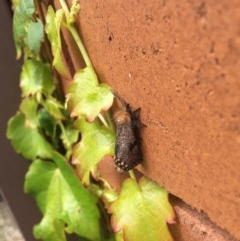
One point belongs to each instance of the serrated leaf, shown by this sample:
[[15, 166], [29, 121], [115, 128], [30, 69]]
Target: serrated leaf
[[65, 203], [96, 142], [52, 28], [21, 20], [26, 138], [142, 211], [28, 34], [55, 108], [119, 236], [69, 136], [27, 6], [35, 36], [74, 10], [48, 126], [86, 97], [29, 108], [36, 78]]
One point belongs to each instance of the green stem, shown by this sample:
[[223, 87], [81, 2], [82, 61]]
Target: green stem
[[75, 34], [100, 116], [132, 175], [64, 7], [80, 45], [68, 147], [106, 184]]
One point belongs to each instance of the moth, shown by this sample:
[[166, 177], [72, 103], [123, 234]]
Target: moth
[[128, 152]]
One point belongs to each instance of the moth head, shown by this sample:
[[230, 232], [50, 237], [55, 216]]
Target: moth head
[[121, 117]]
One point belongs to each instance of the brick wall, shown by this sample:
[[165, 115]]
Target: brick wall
[[179, 62]]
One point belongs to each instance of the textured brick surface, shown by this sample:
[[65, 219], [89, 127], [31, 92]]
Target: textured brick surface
[[194, 226], [180, 63]]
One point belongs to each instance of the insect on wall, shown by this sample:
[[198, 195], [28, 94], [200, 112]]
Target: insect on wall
[[128, 152]]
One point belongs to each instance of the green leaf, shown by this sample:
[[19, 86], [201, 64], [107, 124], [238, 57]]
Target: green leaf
[[53, 116], [86, 97], [36, 78], [97, 141], [35, 36], [27, 7], [108, 196], [29, 107], [47, 122], [55, 108], [28, 34], [141, 211], [48, 127], [74, 11], [21, 20], [69, 136], [52, 28], [26, 138], [66, 205]]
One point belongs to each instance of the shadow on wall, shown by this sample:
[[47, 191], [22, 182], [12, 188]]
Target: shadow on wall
[[12, 166]]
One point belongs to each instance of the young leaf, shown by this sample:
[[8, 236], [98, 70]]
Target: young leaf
[[52, 28], [97, 141], [141, 211], [21, 20], [26, 138], [55, 108], [36, 78], [66, 205], [29, 107], [28, 34], [35, 36], [74, 10], [69, 136], [48, 124], [87, 97]]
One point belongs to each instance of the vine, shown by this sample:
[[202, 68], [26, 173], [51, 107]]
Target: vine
[[65, 138]]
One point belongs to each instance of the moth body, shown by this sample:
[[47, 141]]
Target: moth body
[[128, 153]]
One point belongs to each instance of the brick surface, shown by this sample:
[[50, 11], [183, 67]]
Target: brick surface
[[180, 63], [194, 226]]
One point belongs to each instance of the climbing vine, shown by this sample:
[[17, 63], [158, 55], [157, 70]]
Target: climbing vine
[[66, 136]]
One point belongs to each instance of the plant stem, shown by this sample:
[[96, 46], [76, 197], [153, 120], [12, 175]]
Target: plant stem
[[64, 7], [132, 175], [80, 45], [75, 34], [100, 116], [68, 147]]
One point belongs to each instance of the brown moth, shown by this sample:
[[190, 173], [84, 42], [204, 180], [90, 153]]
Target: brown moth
[[128, 153]]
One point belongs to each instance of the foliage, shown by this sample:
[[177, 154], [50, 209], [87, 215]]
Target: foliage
[[63, 200], [65, 138], [147, 211]]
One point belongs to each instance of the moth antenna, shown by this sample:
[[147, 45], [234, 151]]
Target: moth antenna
[[136, 117], [136, 112]]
